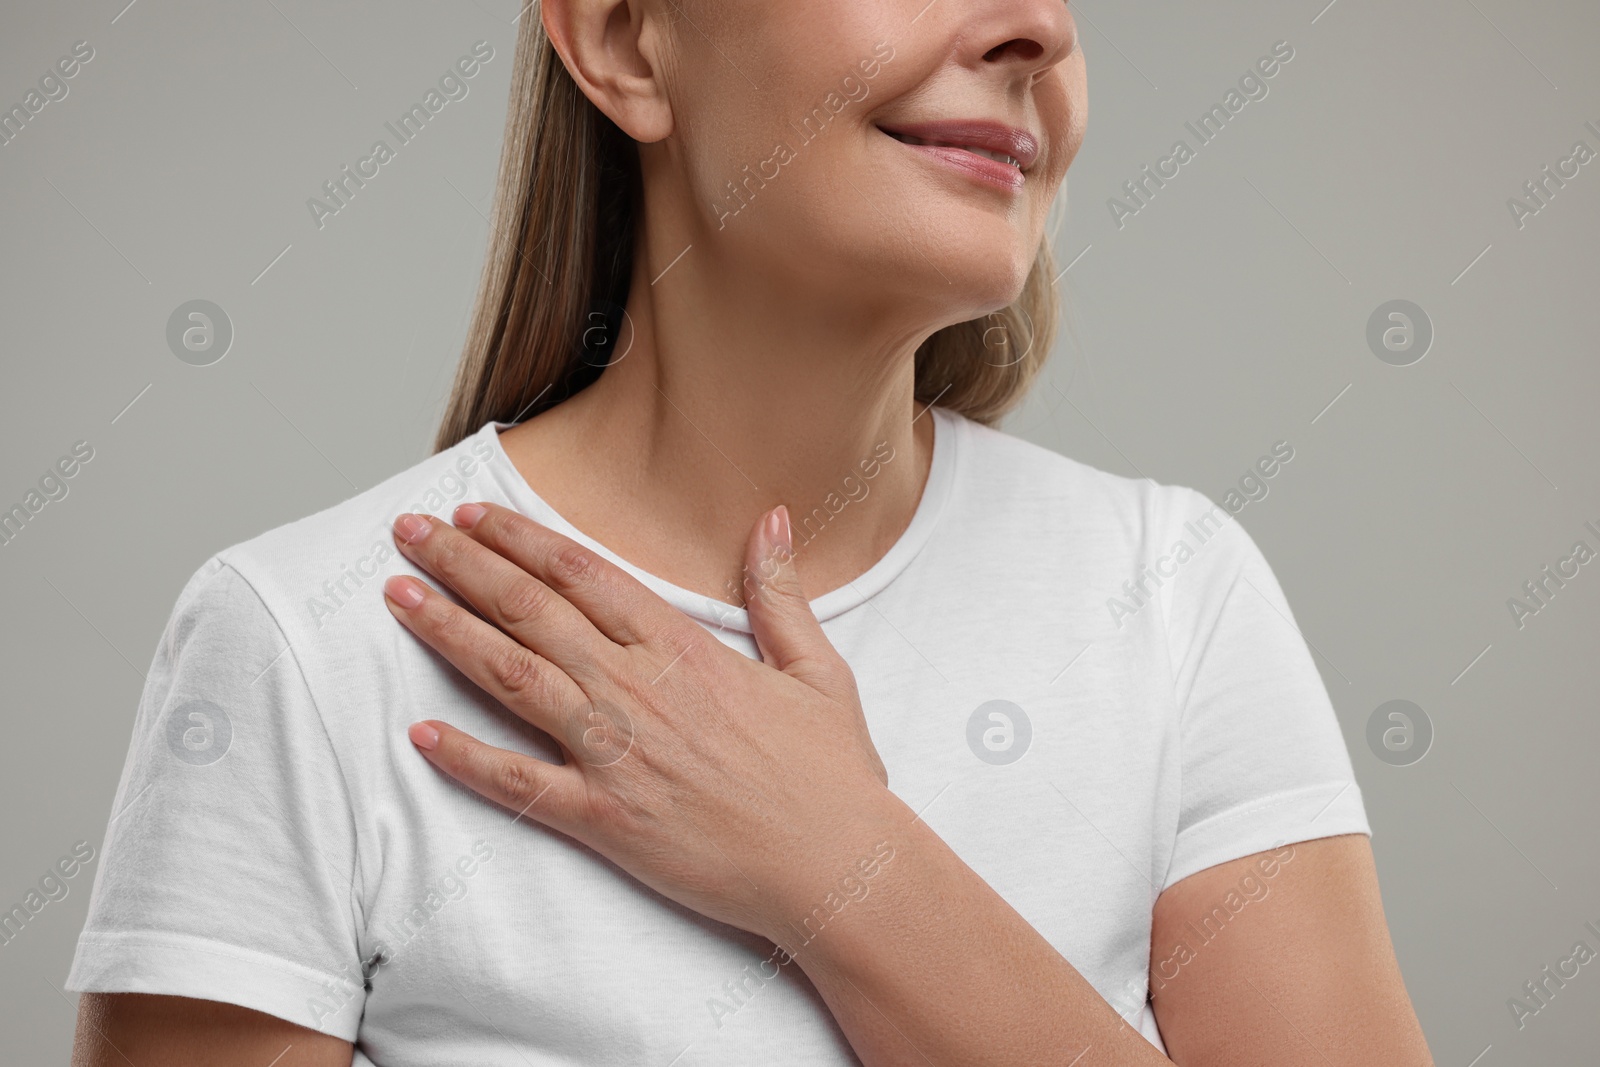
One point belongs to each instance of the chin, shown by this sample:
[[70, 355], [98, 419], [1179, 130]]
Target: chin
[[954, 261], [987, 269]]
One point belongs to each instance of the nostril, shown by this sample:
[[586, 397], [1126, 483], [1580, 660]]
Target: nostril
[[1019, 48]]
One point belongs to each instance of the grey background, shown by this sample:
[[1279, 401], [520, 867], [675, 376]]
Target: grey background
[[1228, 314]]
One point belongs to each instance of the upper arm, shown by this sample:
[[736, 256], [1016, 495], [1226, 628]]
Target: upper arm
[[1282, 958], [115, 1029], [1260, 953], [229, 870]]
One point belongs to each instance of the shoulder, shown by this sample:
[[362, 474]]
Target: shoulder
[[1002, 474], [309, 573]]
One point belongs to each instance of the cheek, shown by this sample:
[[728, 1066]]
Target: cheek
[[726, 127], [825, 193], [1063, 102], [771, 112]]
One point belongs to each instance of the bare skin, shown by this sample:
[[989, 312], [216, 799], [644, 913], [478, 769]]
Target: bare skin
[[139, 1028], [770, 358]]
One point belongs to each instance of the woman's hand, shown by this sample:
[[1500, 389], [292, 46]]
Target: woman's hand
[[745, 790]]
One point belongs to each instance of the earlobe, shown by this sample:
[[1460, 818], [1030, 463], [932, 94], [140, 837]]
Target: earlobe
[[611, 49]]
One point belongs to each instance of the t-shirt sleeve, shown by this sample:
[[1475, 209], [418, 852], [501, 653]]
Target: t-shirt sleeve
[[1263, 760], [228, 871]]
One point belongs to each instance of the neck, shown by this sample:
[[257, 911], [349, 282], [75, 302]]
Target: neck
[[731, 399]]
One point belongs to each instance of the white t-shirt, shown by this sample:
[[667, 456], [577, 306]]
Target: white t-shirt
[[1082, 731]]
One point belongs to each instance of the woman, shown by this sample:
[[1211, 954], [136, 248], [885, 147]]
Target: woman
[[760, 702]]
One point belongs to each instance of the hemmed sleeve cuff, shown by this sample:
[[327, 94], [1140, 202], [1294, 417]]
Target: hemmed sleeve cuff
[[185, 966], [1325, 810]]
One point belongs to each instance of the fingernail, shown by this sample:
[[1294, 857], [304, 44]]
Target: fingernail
[[412, 528], [467, 515], [782, 536], [423, 736], [403, 591]]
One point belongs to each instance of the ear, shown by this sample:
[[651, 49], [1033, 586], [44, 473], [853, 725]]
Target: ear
[[613, 50]]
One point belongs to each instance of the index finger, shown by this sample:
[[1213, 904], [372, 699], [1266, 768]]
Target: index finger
[[617, 603]]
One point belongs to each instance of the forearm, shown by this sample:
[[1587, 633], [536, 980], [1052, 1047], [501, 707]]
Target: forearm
[[931, 966]]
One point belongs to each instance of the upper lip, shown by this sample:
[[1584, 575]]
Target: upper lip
[[987, 134]]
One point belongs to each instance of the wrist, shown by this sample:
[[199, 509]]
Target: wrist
[[842, 874]]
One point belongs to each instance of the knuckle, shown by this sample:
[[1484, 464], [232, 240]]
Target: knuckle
[[518, 672], [611, 814], [448, 553], [446, 620], [837, 671], [678, 633], [500, 532], [522, 602], [680, 651], [573, 565], [774, 588], [517, 780], [504, 527]]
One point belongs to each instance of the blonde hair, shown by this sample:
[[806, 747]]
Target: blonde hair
[[560, 259]]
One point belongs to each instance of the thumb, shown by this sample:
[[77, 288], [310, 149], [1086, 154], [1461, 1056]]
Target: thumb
[[785, 629]]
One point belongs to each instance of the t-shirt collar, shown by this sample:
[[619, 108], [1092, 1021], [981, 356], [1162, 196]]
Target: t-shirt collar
[[948, 430]]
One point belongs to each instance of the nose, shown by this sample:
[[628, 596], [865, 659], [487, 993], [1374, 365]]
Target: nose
[[1029, 36]]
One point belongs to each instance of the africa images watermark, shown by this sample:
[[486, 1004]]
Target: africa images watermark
[[750, 983], [812, 124], [355, 979], [1252, 486], [53, 87], [1252, 86], [342, 188], [52, 486], [52, 887], [1251, 888], [1552, 578], [1541, 190], [807, 527], [449, 487], [1538, 991]]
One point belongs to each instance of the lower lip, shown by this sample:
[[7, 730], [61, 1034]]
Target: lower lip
[[989, 171]]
